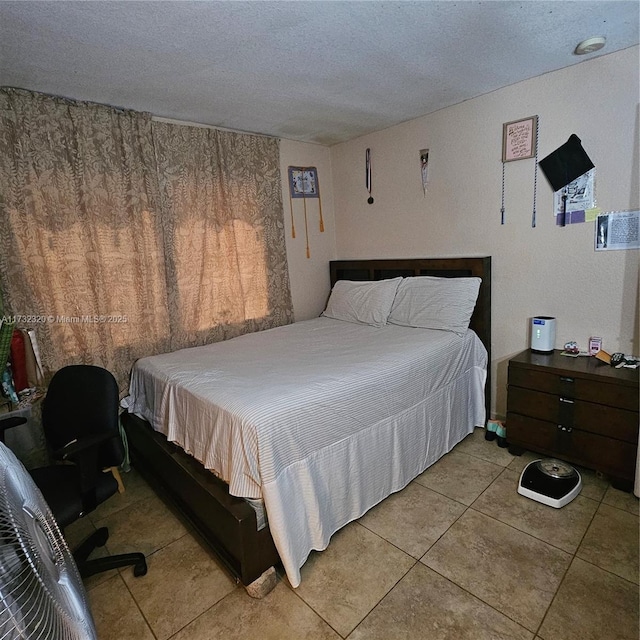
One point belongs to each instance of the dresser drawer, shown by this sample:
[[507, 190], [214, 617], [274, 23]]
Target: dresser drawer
[[587, 416], [580, 447], [601, 392]]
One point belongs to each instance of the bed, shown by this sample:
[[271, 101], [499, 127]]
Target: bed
[[328, 420]]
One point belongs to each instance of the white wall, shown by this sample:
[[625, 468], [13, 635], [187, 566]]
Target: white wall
[[309, 276], [548, 270]]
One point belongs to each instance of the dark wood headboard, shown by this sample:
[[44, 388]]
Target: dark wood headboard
[[440, 267]]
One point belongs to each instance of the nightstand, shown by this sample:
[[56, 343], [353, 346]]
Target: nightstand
[[576, 409]]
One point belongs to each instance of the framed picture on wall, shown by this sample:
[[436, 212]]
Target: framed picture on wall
[[303, 182], [519, 139]]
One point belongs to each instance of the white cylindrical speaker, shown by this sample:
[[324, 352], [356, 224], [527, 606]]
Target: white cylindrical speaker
[[543, 334]]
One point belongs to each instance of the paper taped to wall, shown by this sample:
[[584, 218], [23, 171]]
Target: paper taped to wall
[[617, 230]]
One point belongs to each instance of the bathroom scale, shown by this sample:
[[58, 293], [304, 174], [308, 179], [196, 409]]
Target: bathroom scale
[[550, 481]]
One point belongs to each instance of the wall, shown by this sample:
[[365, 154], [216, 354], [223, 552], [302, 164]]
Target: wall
[[546, 270], [309, 276]]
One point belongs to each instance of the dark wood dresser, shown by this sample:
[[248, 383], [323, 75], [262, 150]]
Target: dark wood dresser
[[577, 409]]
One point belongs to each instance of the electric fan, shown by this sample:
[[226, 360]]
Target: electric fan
[[41, 593]]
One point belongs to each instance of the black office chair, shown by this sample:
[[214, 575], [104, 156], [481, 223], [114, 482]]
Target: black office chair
[[80, 423]]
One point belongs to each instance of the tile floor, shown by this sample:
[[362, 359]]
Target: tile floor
[[457, 554]]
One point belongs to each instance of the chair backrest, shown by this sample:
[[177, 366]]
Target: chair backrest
[[82, 400]]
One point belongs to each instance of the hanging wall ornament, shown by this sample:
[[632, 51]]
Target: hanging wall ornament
[[303, 183], [424, 169], [519, 142], [535, 177], [367, 163]]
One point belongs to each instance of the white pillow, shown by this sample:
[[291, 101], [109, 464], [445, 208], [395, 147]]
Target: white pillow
[[435, 303], [363, 302]]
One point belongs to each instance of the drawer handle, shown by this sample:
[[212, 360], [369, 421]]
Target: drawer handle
[[561, 427], [566, 401], [565, 379]]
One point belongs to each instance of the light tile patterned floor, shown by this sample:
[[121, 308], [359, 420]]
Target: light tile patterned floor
[[470, 560]]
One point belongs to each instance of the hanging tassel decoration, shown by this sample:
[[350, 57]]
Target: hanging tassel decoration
[[321, 220], [502, 207], [293, 225], [306, 228], [535, 178]]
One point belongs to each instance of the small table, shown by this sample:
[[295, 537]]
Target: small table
[[577, 409]]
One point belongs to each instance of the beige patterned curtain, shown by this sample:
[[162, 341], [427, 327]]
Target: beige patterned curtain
[[81, 257], [104, 267], [224, 233]]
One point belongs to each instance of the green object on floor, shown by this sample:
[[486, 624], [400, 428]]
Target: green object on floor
[[490, 433]]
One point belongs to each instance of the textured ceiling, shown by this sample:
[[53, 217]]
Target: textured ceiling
[[321, 72]]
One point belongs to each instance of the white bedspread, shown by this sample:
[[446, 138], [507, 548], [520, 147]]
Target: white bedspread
[[322, 419]]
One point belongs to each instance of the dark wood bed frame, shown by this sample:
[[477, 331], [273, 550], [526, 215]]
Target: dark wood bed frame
[[228, 524]]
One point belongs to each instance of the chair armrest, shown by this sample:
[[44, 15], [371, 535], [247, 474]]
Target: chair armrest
[[10, 423], [80, 445]]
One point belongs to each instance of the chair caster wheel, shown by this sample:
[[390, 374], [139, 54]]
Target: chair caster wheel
[[101, 536], [140, 569]]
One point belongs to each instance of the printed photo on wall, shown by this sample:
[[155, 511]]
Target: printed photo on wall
[[616, 230]]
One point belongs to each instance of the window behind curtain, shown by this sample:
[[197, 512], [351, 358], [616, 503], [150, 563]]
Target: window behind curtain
[[111, 256], [224, 233]]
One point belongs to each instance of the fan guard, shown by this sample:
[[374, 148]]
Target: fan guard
[[41, 593]]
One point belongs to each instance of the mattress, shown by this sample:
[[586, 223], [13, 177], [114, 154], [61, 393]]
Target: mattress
[[320, 419]]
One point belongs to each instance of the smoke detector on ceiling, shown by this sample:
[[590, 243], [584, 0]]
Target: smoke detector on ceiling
[[590, 45]]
